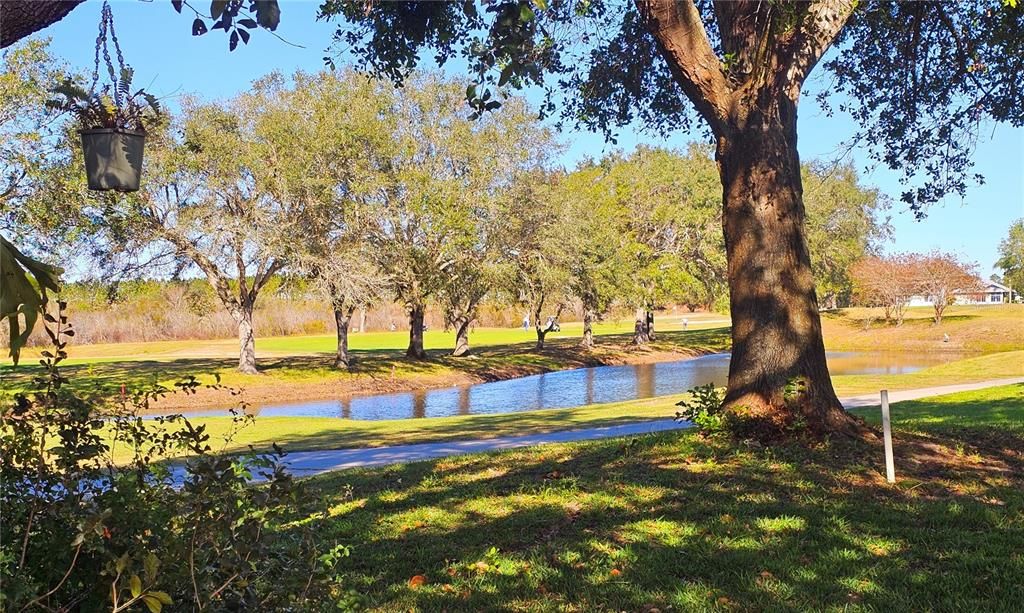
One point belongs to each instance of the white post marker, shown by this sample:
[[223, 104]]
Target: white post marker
[[890, 468]]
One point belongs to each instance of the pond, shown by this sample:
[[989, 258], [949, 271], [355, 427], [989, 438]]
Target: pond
[[567, 388]]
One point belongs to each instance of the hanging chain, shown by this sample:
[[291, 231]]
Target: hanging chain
[[107, 22], [100, 38]]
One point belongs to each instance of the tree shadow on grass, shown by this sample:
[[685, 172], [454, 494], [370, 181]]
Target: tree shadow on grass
[[670, 520]]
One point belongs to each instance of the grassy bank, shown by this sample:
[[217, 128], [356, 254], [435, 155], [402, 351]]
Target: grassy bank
[[971, 329], [673, 522], [310, 375], [306, 433]]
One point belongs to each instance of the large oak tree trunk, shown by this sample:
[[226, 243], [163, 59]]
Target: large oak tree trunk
[[777, 375], [246, 340], [342, 320], [415, 349], [778, 371], [20, 18]]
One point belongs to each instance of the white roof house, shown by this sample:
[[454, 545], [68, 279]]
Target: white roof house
[[993, 293]]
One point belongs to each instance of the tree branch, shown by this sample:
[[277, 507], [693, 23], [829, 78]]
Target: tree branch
[[213, 274], [24, 17], [811, 38], [680, 34]]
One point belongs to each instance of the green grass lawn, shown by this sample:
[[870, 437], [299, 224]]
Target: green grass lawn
[[676, 522], [997, 407], [433, 339]]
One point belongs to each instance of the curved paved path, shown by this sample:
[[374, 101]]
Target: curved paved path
[[305, 463]]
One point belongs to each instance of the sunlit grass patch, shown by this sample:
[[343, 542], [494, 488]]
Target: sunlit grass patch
[[662, 531], [781, 524]]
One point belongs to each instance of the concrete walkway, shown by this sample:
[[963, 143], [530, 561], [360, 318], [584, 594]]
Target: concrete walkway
[[305, 463], [873, 400]]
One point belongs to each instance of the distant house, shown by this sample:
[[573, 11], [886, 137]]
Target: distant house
[[993, 293]]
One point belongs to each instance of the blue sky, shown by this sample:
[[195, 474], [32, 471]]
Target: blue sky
[[168, 61]]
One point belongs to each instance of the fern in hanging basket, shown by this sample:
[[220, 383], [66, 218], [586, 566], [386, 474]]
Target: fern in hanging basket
[[112, 122], [136, 112]]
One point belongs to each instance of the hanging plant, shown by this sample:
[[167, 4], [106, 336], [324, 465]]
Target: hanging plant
[[113, 120]]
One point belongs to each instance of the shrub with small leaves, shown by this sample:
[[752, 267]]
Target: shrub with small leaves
[[703, 408]]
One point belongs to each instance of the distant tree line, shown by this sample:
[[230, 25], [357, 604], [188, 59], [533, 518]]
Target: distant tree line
[[373, 194]]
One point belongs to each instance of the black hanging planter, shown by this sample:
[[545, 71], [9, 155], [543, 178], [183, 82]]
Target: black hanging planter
[[113, 158], [113, 119]]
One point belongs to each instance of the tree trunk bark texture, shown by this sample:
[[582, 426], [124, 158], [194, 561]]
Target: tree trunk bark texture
[[246, 341], [541, 330], [541, 333], [777, 374], [461, 335], [342, 319], [588, 328], [641, 335], [415, 349], [20, 18]]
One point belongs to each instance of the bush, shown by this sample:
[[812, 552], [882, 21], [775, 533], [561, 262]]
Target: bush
[[81, 532], [704, 409]]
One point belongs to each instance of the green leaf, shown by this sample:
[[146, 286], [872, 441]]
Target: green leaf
[[135, 584], [247, 23], [541, 4], [526, 13], [152, 603], [163, 597], [198, 27], [19, 296], [150, 563]]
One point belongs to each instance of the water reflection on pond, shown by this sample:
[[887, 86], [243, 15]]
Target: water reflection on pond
[[569, 388]]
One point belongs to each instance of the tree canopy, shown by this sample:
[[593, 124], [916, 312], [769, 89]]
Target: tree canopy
[[1011, 257], [918, 77]]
